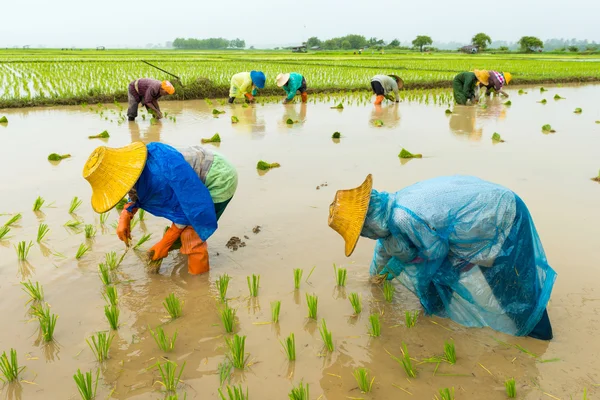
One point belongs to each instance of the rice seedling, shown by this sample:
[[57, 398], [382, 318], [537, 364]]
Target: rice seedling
[[217, 112], [411, 318], [214, 139], [578, 111], [521, 91], [407, 154], [222, 285], [234, 393], [81, 251], [110, 295], [234, 119], [597, 179], [133, 223], [58, 157], [141, 214], [9, 367], [73, 224], [375, 325], [15, 218], [511, 389], [35, 291], [90, 231], [86, 384], [121, 204], [388, 291], [446, 394], [168, 373], [585, 394], [253, 284], [104, 274], [228, 318], [47, 321], [237, 355], [142, 240], [300, 392], [497, 138], [364, 380], [275, 308], [265, 166], [164, 343], [3, 120], [406, 362], [112, 315], [312, 301], [355, 302], [508, 103], [543, 101], [225, 368], [23, 250], [4, 231], [326, 336], [100, 345], [547, 128], [101, 135], [450, 352], [378, 123], [289, 346], [42, 232], [542, 89], [448, 111], [173, 306], [39, 202], [340, 275], [297, 277], [558, 97], [75, 203], [336, 135], [339, 106]]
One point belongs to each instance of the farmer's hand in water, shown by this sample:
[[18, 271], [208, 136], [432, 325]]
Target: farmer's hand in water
[[124, 227]]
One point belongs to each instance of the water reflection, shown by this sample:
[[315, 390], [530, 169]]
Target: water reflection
[[249, 122], [291, 111], [463, 122], [389, 114], [150, 134]]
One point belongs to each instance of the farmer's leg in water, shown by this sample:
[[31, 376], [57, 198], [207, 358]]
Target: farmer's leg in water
[[379, 91], [133, 104], [303, 92]]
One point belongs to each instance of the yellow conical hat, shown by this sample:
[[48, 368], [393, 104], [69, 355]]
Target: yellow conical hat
[[348, 211], [112, 173], [483, 76]]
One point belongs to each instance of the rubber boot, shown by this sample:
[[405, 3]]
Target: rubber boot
[[161, 249], [304, 97], [231, 100], [196, 250], [379, 99]]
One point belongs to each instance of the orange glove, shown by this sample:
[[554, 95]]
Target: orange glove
[[249, 97], [124, 227], [161, 249]]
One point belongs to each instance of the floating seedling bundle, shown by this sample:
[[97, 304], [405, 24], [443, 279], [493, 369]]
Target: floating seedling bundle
[[3, 120], [265, 166], [214, 139], [407, 154], [497, 138], [101, 135]]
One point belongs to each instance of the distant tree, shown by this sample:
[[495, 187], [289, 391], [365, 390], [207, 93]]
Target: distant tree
[[394, 43], [530, 43], [573, 49], [356, 41], [422, 41], [251, 47], [503, 48], [481, 40], [332, 44], [237, 43], [346, 45], [201, 44], [313, 42]]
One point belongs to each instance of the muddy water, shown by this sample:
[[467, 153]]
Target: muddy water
[[550, 172]]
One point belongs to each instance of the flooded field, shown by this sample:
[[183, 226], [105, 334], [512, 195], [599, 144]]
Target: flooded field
[[551, 172]]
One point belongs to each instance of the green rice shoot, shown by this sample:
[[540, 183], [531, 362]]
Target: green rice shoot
[[73, 224], [289, 346], [214, 139], [42, 232], [312, 302], [141, 214], [406, 362], [234, 393], [407, 154], [173, 306], [356, 303], [336, 135], [225, 368], [90, 231], [388, 291], [110, 295], [142, 240], [364, 380], [4, 231], [101, 135], [326, 336], [9, 367], [83, 248], [222, 285], [75, 203], [164, 342], [34, 290], [511, 389], [15, 218], [275, 308], [104, 218], [237, 355], [375, 325], [228, 318], [23, 250], [86, 384], [253, 284], [47, 321], [112, 315], [38, 203], [100, 345], [446, 394], [111, 260], [450, 352], [297, 277], [169, 377], [265, 166], [340, 275], [104, 274], [300, 392], [411, 318], [57, 157]]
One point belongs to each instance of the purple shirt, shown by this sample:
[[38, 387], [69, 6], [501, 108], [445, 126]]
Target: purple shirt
[[496, 81], [147, 90]]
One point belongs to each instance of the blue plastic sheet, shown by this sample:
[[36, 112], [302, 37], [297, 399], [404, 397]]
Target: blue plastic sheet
[[467, 248], [168, 187]]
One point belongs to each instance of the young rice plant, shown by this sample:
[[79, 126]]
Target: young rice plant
[[253, 285], [300, 392], [228, 318], [355, 302], [100, 345], [275, 308], [173, 306], [237, 355], [388, 291], [340, 275], [112, 315], [35, 291], [9, 367], [297, 277], [234, 393], [364, 380], [86, 384], [164, 343], [326, 336], [23, 250], [169, 375], [42, 232], [312, 301], [375, 328], [75, 203], [222, 285], [511, 389], [289, 345]]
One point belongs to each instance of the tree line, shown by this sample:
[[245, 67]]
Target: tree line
[[209, 44]]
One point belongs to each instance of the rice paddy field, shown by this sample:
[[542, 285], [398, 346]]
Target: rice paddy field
[[282, 309]]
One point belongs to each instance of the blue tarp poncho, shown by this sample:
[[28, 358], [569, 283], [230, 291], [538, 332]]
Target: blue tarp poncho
[[168, 187], [467, 248]]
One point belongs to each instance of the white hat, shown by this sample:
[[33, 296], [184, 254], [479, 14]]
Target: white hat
[[282, 79]]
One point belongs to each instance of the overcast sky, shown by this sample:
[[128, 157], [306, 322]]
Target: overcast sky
[[116, 23]]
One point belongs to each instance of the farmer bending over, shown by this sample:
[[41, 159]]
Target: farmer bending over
[[190, 186], [465, 83], [147, 91], [466, 247], [384, 85], [246, 84], [497, 82], [292, 83]]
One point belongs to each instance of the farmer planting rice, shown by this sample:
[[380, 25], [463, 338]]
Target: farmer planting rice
[[497, 82], [384, 86], [190, 186], [245, 84], [292, 83], [465, 83], [466, 247], [147, 91]]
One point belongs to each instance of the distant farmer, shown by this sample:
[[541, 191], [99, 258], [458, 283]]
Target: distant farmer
[[497, 82], [147, 91], [467, 248], [292, 83], [246, 84], [190, 187], [384, 85], [464, 85]]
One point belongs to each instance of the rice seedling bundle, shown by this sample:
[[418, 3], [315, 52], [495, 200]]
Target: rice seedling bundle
[[100, 345], [375, 325], [234, 393], [228, 318], [356, 303], [173, 305], [86, 384], [42, 232], [163, 341], [253, 284], [289, 346], [9, 367], [275, 308], [312, 302], [170, 378], [237, 347], [297, 277], [364, 380], [326, 336], [222, 285]]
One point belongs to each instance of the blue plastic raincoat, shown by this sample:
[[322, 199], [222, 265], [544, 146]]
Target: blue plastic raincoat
[[168, 187], [467, 248]]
